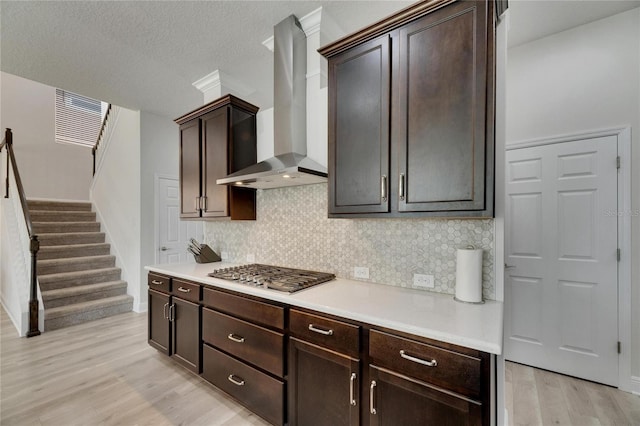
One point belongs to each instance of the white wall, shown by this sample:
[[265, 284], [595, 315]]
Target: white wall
[[159, 155], [48, 169], [583, 79], [115, 193]]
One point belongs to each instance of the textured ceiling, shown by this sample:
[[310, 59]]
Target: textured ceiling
[[146, 54]]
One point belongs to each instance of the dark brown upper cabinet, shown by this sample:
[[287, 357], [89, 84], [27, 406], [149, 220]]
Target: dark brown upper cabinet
[[216, 140], [411, 114]]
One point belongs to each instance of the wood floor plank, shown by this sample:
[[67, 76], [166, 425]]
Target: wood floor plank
[[526, 407], [553, 405]]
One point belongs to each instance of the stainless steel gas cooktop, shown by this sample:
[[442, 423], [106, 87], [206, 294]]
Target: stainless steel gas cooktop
[[274, 277]]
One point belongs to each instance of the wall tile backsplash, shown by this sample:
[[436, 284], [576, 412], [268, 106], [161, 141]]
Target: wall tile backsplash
[[292, 229]]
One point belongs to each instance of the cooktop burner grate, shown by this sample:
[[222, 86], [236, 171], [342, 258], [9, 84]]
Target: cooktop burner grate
[[274, 277]]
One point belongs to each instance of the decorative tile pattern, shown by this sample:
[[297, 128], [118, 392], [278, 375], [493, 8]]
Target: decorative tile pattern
[[292, 229]]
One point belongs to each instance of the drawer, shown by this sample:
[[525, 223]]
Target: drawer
[[337, 335], [256, 345], [451, 370], [242, 307], [159, 282], [186, 290], [258, 391]]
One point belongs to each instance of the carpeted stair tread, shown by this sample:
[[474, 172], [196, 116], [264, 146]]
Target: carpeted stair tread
[[53, 266], [73, 250], [61, 216], [69, 238], [64, 316], [76, 278], [59, 205], [84, 293], [57, 227]]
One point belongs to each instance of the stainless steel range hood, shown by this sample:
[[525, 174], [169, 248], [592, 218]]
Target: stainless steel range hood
[[290, 165]]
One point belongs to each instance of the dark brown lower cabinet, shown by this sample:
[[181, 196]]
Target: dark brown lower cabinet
[[323, 386], [159, 325], [258, 391], [185, 336], [395, 399]]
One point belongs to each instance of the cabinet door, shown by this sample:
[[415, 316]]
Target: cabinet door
[[323, 386], [185, 318], [190, 169], [440, 119], [359, 101], [398, 400], [215, 130], [159, 326]]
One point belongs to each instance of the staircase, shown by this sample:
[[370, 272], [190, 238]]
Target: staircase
[[78, 279]]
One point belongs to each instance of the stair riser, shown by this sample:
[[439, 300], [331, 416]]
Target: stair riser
[[60, 240], [43, 228], [58, 206], [46, 284], [45, 254], [82, 317], [85, 265], [63, 301], [37, 216]]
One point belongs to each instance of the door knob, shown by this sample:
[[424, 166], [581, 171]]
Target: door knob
[[163, 248]]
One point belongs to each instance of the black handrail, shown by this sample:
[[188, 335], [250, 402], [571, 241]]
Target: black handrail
[[34, 244], [100, 135]]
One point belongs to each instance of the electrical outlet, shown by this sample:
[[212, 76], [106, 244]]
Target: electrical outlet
[[423, 281], [251, 258], [361, 272], [224, 255]]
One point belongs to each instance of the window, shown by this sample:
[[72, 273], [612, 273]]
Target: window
[[78, 118]]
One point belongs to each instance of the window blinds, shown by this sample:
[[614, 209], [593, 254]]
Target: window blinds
[[78, 118]]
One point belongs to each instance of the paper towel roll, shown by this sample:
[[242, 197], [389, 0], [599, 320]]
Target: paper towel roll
[[469, 275]]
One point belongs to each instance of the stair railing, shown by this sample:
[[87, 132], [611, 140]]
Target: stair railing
[[103, 130], [34, 244]]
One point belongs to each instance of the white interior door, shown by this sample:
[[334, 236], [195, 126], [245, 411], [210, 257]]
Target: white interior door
[[173, 233], [561, 292]]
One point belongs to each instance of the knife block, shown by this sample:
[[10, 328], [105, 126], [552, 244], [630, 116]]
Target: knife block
[[207, 255]]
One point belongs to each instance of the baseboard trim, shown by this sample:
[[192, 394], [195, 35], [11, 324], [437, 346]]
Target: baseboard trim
[[141, 307], [635, 385], [11, 317]]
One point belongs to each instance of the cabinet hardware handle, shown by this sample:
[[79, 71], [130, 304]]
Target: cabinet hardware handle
[[184, 290], [401, 186], [372, 406], [383, 188], [171, 312], [432, 363], [352, 381], [509, 266], [164, 311], [237, 339], [197, 208], [235, 381], [205, 203], [156, 282], [318, 330]]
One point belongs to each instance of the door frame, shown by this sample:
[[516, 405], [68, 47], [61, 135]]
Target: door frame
[[623, 135]]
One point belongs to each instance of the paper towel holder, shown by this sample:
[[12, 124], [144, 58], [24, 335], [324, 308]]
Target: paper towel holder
[[481, 302]]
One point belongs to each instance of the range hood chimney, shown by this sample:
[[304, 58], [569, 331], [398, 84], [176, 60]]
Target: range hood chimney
[[290, 165]]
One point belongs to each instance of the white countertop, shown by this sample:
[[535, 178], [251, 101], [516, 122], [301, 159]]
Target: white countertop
[[427, 314]]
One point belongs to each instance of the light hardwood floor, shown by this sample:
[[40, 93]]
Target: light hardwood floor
[[105, 373], [539, 397]]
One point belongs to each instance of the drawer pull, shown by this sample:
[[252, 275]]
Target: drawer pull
[[235, 381], [320, 331], [235, 338], [432, 363], [156, 282], [352, 381], [372, 405], [184, 290]]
